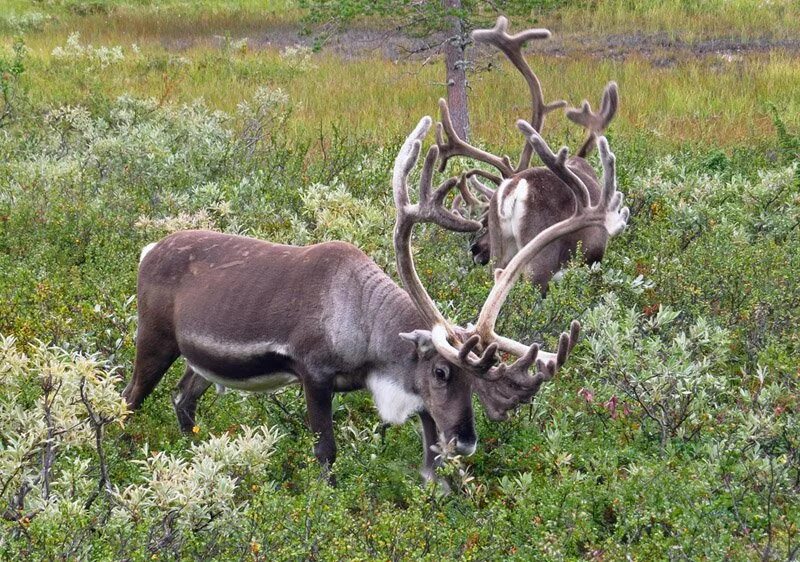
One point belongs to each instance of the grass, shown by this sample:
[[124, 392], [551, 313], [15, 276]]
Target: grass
[[693, 18], [669, 100], [690, 19], [714, 100]]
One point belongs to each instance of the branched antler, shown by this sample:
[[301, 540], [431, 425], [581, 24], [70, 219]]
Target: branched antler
[[511, 46], [466, 201], [607, 213], [451, 145], [500, 387], [429, 209], [456, 146], [595, 123]]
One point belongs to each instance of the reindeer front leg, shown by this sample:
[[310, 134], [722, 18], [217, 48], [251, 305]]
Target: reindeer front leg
[[319, 402], [430, 436]]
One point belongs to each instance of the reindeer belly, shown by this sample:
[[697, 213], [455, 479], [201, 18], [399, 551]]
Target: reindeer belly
[[253, 366]]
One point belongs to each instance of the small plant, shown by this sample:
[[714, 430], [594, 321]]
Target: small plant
[[52, 404], [676, 377], [298, 58], [206, 492], [11, 70], [74, 51]]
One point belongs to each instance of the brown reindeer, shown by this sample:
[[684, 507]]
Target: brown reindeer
[[527, 199], [253, 315]]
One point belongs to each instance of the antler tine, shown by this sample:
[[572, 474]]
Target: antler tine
[[463, 355], [469, 198], [616, 216], [507, 386], [556, 163], [595, 123], [456, 146], [479, 186], [429, 209], [511, 46]]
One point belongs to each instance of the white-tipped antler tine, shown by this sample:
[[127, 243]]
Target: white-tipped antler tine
[[406, 159], [616, 215]]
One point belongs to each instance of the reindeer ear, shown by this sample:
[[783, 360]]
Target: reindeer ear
[[423, 340]]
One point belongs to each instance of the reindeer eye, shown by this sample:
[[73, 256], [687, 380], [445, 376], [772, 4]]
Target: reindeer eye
[[442, 374]]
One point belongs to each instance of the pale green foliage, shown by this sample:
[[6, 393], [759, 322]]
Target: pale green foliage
[[334, 213], [199, 492], [140, 140], [298, 58], [675, 376], [45, 425], [26, 21], [73, 51], [53, 406]]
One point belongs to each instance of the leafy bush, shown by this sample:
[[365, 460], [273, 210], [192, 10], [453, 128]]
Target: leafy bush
[[676, 379]]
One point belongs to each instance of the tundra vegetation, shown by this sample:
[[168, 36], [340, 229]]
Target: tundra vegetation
[[671, 433]]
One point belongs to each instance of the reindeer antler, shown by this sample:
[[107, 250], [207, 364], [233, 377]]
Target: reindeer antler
[[511, 46], [500, 387], [607, 213], [595, 123], [448, 141], [456, 146], [429, 209], [511, 386], [466, 201]]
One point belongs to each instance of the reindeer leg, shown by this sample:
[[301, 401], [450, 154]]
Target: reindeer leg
[[319, 402], [430, 436], [154, 356], [190, 388]]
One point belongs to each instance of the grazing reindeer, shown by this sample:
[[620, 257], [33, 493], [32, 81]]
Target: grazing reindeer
[[528, 200], [252, 315]]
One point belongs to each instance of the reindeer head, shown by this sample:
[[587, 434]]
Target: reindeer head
[[480, 245], [458, 358]]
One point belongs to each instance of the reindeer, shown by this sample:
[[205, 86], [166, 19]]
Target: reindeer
[[528, 199], [253, 315]]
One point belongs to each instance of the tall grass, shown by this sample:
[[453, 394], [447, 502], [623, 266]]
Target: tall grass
[[719, 101], [745, 18], [170, 18]]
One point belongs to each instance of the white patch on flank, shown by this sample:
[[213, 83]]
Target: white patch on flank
[[517, 217], [259, 383], [236, 350], [508, 210], [394, 404], [146, 250]]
